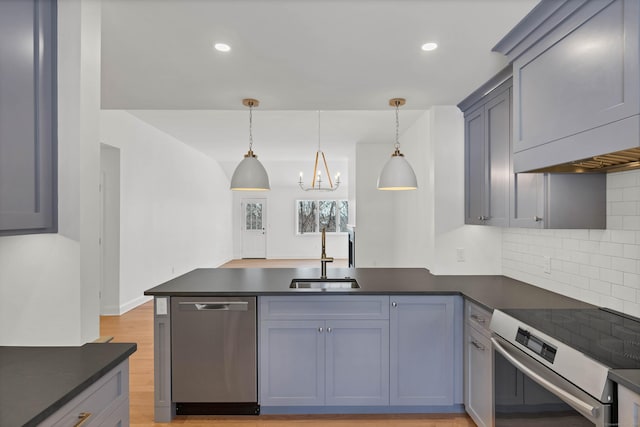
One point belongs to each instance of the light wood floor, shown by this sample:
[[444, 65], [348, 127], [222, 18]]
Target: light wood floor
[[137, 326]]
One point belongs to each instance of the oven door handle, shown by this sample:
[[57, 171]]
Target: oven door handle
[[583, 407]]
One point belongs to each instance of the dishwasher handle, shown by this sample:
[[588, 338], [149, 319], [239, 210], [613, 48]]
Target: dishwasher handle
[[216, 306]]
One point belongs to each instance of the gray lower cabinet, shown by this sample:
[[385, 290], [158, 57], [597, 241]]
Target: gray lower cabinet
[[628, 407], [105, 403], [423, 350], [28, 117], [478, 365], [324, 351]]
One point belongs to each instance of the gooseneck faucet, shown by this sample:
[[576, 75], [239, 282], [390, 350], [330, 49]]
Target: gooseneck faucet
[[324, 259]]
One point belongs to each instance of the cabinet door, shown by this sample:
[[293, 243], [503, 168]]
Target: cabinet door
[[478, 377], [628, 407], [292, 360], [357, 362], [422, 350], [576, 89], [527, 200], [498, 136], [27, 117], [475, 167]]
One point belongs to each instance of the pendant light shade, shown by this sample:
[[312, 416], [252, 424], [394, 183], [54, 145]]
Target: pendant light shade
[[397, 173], [250, 175]]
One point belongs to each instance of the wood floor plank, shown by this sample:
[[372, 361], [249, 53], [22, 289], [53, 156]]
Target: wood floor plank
[[137, 326]]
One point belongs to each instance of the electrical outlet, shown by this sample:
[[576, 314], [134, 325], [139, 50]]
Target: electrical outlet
[[546, 266], [460, 254]]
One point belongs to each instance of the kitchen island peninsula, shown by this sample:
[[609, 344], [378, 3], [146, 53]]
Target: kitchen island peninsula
[[393, 344]]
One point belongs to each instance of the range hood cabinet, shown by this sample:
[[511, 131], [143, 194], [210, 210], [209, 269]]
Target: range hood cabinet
[[576, 86]]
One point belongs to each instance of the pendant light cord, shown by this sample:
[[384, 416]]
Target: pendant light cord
[[250, 127], [397, 146]]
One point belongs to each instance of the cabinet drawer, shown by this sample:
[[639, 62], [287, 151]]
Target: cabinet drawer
[[99, 399], [477, 317], [324, 307]]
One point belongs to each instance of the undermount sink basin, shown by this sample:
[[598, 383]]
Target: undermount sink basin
[[325, 284]]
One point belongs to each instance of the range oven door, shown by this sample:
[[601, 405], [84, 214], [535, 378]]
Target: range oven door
[[528, 393]]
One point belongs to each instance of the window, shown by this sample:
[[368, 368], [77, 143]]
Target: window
[[314, 215]]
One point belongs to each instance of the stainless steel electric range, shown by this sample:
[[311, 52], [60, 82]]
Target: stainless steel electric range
[[551, 365]]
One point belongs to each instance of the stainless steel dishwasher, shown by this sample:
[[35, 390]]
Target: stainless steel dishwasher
[[214, 355]]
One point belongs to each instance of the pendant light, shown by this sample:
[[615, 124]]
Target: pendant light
[[316, 182], [250, 175], [397, 173]]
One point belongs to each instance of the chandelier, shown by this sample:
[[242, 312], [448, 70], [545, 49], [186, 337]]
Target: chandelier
[[317, 182]]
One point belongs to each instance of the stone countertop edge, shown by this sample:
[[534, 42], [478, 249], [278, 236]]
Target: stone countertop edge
[[38, 381], [491, 292], [629, 378]]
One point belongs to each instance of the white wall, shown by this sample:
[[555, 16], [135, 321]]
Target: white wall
[[49, 282], [422, 228], [282, 240], [601, 267], [175, 207]]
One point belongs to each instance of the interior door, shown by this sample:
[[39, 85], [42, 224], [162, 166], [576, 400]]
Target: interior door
[[254, 228]]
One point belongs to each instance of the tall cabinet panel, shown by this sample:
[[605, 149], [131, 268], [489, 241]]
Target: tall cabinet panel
[[475, 167], [487, 156], [28, 117]]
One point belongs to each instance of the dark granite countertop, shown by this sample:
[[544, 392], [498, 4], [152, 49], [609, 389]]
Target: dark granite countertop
[[37, 381], [489, 291], [629, 378]]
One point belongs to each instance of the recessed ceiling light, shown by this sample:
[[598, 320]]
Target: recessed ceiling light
[[430, 46], [222, 47]]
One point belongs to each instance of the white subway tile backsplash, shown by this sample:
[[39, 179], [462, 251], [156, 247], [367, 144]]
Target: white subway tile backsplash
[[631, 280], [600, 287], [622, 236], [613, 249], [631, 222], [626, 265], [624, 208], [631, 194], [599, 260], [615, 194], [624, 293], [614, 222], [622, 179], [601, 267]]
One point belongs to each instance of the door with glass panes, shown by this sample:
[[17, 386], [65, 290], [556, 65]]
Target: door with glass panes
[[254, 228]]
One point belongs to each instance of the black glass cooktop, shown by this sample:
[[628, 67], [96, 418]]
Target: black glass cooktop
[[609, 338]]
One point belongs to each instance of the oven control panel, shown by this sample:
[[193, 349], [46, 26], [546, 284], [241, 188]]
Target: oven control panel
[[535, 344]]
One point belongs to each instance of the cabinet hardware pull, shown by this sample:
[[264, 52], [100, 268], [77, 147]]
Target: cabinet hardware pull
[[477, 345], [394, 304], [537, 218], [82, 418], [329, 330], [320, 329], [478, 319]]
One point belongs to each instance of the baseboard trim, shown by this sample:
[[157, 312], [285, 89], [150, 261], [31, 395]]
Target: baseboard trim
[[300, 410], [130, 305]]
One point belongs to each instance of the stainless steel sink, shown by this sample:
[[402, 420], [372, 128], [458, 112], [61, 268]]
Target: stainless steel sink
[[342, 284]]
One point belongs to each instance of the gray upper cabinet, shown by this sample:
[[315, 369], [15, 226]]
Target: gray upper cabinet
[[496, 195], [576, 80], [559, 201], [28, 128], [487, 156]]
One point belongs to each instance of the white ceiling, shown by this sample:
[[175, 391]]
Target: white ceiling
[[345, 57]]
